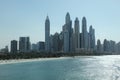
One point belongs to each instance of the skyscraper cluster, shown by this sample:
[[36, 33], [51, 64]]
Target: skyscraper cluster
[[108, 47], [69, 40]]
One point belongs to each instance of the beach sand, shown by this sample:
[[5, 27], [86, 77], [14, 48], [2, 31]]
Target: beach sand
[[12, 61]]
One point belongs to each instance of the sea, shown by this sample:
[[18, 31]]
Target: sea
[[69, 68]]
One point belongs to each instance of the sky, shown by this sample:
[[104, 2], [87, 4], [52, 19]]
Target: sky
[[27, 18]]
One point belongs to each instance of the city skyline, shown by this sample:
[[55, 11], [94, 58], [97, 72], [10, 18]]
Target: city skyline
[[69, 40], [28, 20]]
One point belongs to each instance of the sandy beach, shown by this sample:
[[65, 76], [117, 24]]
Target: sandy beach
[[12, 61]]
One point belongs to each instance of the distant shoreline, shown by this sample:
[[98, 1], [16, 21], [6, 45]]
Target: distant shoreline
[[33, 55], [12, 61], [10, 58]]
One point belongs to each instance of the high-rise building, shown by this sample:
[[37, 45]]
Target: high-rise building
[[47, 34], [84, 42], [67, 18], [94, 40], [34, 47], [106, 46], [41, 46], [99, 46], [118, 48], [66, 41], [80, 37], [56, 42], [76, 34], [13, 46], [51, 43], [112, 46], [91, 38], [73, 43], [61, 41], [4, 50], [24, 44], [89, 42], [67, 31]]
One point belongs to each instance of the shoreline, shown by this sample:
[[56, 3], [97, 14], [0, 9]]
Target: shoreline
[[13, 61]]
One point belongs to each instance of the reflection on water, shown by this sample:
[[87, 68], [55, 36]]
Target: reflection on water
[[77, 68]]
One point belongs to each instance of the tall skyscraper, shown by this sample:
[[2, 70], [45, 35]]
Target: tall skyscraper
[[91, 38], [67, 18], [118, 48], [99, 46], [67, 30], [13, 46], [80, 37], [112, 46], [61, 41], [76, 34], [69, 24], [84, 42], [106, 46], [24, 44], [56, 42], [66, 41], [89, 41], [47, 34], [94, 39]]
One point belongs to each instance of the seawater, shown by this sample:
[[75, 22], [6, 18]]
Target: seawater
[[74, 68]]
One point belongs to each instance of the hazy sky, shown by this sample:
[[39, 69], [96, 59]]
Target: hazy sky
[[27, 18]]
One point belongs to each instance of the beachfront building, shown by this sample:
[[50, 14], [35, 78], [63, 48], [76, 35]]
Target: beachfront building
[[41, 46], [24, 44], [13, 46]]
